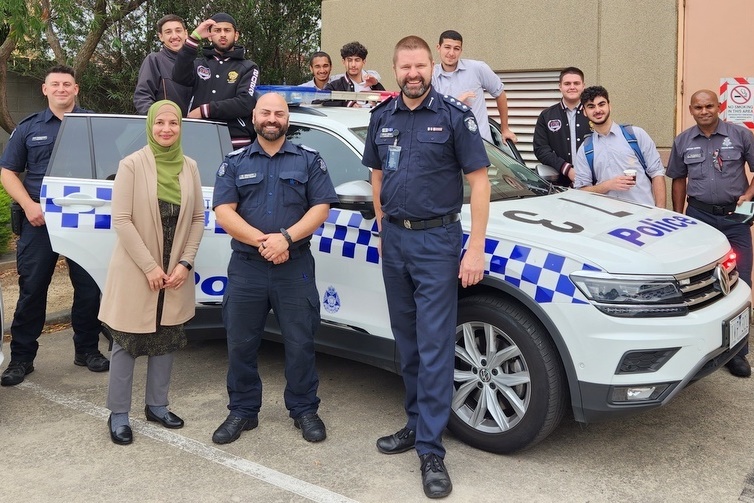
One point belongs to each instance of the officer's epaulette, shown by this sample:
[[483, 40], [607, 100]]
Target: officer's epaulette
[[27, 119], [309, 149], [456, 103], [381, 104], [237, 151]]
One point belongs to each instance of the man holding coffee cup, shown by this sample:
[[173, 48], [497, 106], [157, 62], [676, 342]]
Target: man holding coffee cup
[[619, 161]]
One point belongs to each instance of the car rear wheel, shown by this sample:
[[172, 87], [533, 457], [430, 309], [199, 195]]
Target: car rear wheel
[[510, 390]]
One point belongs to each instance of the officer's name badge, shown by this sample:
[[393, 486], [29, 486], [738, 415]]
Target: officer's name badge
[[388, 132], [247, 176], [432, 129]]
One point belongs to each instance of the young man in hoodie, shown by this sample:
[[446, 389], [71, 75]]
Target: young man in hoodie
[[222, 80], [156, 73]]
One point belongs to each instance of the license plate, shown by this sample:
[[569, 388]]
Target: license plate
[[736, 328]]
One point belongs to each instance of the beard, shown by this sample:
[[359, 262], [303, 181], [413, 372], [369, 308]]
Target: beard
[[412, 91], [270, 135]]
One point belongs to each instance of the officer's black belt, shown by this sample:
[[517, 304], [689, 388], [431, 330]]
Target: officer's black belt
[[419, 225], [713, 209]]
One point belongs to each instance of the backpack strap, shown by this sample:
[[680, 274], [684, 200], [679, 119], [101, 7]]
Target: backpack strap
[[628, 134], [589, 152]]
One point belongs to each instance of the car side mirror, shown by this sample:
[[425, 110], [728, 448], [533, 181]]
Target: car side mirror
[[548, 173], [356, 196]]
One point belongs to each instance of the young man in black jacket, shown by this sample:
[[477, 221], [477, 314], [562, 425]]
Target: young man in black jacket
[[356, 78], [156, 73], [222, 80], [561, 128]]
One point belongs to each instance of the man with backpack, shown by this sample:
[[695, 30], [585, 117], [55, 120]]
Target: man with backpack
[[616, 160]]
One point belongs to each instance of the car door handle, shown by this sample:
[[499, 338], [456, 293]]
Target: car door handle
[[79, 199]]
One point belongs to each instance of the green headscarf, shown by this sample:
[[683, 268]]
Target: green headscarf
[[169, 159]]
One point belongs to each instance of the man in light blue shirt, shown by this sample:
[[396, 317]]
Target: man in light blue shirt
[[467, 80], [613, 155]]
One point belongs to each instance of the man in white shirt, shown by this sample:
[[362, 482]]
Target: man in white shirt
[[467, 80], [615, 149]]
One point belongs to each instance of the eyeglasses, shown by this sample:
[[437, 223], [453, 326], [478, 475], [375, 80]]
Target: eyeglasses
[[717, 161]]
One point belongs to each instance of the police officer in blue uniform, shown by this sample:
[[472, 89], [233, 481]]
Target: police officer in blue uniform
[[419, 147], [29, 150], [270, 197], [707, 165]]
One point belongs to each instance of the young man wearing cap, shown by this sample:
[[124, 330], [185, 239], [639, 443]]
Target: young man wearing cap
[[222, 80]]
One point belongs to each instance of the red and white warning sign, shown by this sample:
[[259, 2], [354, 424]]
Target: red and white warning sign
[[737, 100]]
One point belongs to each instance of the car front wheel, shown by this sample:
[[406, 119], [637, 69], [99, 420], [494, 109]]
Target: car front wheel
[[509, 386]]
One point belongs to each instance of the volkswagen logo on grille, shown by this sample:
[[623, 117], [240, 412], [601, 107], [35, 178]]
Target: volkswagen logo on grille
[[722, 279]]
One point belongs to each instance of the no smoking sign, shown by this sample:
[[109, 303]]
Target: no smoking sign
[[736, 100]]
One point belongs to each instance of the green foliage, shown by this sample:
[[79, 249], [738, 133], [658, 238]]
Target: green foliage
[[5, 232], [279, 35]]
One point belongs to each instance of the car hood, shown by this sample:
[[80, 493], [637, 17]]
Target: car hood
[[615, 236]]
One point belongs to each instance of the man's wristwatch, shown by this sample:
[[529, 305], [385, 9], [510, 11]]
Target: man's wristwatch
[[286, 236], [185, 264]]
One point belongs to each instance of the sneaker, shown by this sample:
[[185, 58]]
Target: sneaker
[[96, 362], [16, 372]]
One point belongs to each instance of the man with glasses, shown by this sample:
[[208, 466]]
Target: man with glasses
[[707, 168]]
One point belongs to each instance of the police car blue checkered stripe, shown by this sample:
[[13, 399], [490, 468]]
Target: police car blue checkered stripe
[[541, 274]]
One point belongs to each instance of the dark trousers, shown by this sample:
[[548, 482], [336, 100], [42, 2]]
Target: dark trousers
[[35, 262], [739, 237], [255, 286], [420, 270]]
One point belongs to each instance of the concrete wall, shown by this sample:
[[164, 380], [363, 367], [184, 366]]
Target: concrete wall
[[24, 98], [628, 47]]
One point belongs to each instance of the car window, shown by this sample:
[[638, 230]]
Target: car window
[[343, 164], [114, 138], [509, 179], [72, 157]]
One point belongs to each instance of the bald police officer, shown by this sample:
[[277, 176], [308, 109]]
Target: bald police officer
[[419, 146], [270, 197], [711, 156]]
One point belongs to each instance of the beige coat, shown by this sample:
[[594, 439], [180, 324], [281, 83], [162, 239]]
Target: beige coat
[[127, 303]]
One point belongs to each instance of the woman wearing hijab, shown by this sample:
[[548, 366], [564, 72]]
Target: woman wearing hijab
[[158, 216]]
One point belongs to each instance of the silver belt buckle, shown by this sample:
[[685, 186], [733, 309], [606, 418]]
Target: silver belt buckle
[[407, 224]]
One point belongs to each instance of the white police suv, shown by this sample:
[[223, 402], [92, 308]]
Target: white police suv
[[588, 303]]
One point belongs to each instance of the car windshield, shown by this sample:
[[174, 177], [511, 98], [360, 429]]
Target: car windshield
[[508, 178]]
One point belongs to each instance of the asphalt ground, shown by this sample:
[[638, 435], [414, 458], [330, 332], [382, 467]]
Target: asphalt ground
[[56, 446]]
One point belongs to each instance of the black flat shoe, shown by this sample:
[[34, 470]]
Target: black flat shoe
[[400, 441], [311, 426], [435, 478], [122, 434], [169, 420], [739, 366], [232, 428]]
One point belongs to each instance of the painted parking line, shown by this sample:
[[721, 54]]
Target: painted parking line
[[191, 446]]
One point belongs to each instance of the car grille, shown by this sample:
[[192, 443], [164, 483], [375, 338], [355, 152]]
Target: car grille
[[706, 285]]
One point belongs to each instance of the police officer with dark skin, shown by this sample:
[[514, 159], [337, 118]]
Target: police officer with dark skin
[[419, 147], [28, 151], [707, 167], [270, 197]]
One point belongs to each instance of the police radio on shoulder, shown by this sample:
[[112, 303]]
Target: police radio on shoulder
[[286, 236]]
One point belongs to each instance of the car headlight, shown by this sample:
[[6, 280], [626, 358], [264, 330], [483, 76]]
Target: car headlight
[[632, 296]]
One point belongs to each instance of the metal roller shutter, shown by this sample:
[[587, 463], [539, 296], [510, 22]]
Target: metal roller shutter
[[528, 94]]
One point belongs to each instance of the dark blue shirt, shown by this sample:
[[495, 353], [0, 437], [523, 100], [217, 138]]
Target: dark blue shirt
[[439, 142], [272, 192], [30, 147]]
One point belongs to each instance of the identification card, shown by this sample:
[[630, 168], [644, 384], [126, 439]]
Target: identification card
[[393, 157]]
